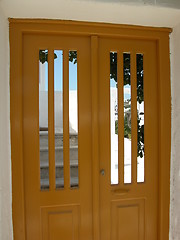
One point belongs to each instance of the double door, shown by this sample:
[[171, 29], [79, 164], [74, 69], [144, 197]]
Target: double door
[[90, 138]]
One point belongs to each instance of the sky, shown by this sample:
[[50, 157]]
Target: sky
[[58, 73]]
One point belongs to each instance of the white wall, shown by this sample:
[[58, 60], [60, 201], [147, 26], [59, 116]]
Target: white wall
[[88, 11], [5, 161], [175, 155], [92, 10]]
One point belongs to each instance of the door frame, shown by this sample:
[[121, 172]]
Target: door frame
[[17, 29]]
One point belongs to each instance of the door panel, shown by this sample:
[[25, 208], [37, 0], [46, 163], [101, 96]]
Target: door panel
[[127, 219], [128, 211], [52, 212], [64, 195]]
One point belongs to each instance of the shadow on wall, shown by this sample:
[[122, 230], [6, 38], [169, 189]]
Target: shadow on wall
[[160, 3]]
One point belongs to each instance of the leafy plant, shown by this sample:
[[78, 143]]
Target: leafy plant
[[43, 56]]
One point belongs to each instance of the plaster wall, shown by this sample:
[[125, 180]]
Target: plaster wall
[[5, 159], [175, 136], [93, 11], [85, 11]]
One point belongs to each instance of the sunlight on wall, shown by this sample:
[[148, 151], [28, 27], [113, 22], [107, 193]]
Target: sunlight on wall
[[175, 136], [96, 12], [5, 159]]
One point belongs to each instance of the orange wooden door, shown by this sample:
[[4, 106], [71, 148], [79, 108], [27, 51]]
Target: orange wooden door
[[88, 156], [58, 200], [128, 137]]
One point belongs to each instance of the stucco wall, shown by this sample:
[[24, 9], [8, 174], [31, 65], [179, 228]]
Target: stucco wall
[[93, 11], [175, 154], [106, 13], [5, 161]]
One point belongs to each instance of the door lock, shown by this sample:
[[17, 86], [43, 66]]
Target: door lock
[[102, 172]]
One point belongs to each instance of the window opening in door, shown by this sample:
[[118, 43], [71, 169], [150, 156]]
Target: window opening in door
[[140, 118], [43, 119], [114, 117], [58, 117], [73, 118], [127, 118]]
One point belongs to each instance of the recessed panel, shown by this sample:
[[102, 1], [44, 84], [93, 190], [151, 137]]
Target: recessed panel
[[61, 226], [61, 222], [128, 224], [127, 221]]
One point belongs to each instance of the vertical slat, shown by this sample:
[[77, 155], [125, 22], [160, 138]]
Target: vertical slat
[[120, 79], [51, 119], [134, 117], [66, 119], [95, 137]]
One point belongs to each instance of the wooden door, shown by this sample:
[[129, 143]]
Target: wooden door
[[57, 162], [90, 159], [128, 132]]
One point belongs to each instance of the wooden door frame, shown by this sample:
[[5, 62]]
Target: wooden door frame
[[18, 28]]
